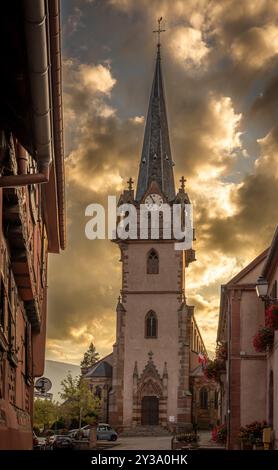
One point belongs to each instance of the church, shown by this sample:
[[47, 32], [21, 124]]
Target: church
[[153, 376]]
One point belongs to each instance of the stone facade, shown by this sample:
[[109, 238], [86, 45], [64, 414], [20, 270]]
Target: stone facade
[[250, 391], [151, 369], [32, 217], [99, 378], [205, 400], [150, 383], [157, 338]]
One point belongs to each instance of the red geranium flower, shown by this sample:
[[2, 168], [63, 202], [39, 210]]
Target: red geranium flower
[[263, 339], [271, 317]]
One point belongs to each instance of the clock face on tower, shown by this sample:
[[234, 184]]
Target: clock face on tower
[[153, 202]]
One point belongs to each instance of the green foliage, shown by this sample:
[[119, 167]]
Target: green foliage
[[253, 432], [219, 433], [222, 353], [264, 338], [91, 356], [214, 369], [79, 402], [45, 413], [59, 423]]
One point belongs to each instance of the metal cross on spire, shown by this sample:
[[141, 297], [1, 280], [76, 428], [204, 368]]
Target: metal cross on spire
[[183, 181], [158, 31], [130, 184]]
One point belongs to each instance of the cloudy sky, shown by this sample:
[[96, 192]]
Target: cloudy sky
[[220, 66]]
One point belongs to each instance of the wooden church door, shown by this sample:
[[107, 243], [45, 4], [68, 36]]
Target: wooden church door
[[150, 411]]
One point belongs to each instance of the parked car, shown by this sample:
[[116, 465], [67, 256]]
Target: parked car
[[106, 433], [49, 441], [42, 443], [80, 433], [73, 433], [62, 442], [85, 431], [35, 441]]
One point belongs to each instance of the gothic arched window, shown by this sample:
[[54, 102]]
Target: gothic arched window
[[152, 262], [204, 398], [151, 325]]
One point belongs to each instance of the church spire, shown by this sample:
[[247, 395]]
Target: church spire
[[156, 160]]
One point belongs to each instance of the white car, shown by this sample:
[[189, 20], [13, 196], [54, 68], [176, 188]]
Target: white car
[[106, 433]]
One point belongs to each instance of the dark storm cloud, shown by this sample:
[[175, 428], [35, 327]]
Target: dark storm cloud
[[263, 114], [256, 207]]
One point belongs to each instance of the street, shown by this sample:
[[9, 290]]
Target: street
[[142, 443]]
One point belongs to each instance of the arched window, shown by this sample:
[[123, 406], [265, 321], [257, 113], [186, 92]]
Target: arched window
[[152, 262], [151, 325], [204, 398], [98, 392]]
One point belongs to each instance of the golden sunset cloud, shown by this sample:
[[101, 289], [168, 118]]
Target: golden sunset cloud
[[220, 68]]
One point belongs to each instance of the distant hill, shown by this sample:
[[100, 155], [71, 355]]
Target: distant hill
[[56, 372]]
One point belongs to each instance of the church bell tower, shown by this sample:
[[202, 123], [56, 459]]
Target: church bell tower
[[151, 355]]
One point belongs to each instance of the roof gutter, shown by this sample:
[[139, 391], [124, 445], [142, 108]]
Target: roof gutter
[[40, 84], [55, 49]]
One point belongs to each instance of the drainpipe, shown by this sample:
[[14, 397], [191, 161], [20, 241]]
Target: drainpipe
[[56, 68], [14, 181], [21, 158], [37, 51], [229, 349]]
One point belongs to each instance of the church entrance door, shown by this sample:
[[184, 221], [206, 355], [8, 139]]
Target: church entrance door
[[150, 411]]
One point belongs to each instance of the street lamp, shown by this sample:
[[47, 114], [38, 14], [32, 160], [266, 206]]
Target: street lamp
[[262, 288]]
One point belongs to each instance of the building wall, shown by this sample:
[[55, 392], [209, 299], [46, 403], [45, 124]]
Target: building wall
[[253, 391], [247, 381], [23, 307], [205, 418], [272, 365], [137, 347], [253, 364], [161, 293], [250, 384], [100, 387], [275, 389]]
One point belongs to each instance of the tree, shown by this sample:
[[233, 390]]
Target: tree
[[79, 402], [45, 413], [91, 356]]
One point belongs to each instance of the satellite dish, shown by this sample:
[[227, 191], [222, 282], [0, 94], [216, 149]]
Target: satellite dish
[[43, 385]]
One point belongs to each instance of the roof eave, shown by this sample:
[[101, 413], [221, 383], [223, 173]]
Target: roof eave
[[272, 258], [56, 75]]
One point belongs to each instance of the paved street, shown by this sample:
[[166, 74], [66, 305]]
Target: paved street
[[143, 443], [154, 443]]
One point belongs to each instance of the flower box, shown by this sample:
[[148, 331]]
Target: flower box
[[219, 434], [259, 445], [222, 353], [214, 369], [263, 340], [271, 317], [251, 435], [246, 444]]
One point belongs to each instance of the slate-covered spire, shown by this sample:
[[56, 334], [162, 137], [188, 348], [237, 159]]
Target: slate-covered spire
[[156, 161]]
